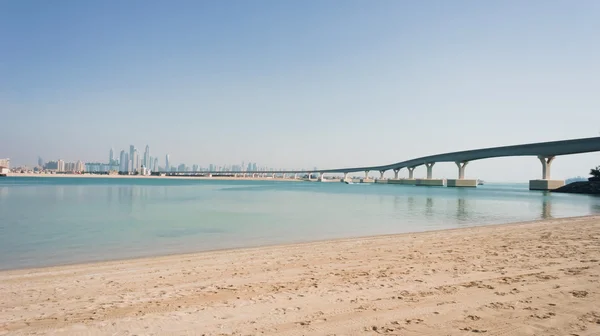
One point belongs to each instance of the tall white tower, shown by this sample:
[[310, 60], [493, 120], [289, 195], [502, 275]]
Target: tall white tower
[[146, 162]]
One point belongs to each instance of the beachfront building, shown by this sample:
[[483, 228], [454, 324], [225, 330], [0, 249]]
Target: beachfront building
[[60, 166], [4, 166]]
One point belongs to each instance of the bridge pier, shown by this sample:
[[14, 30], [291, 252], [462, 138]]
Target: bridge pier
[[381, 173], [430, 181], [320, 177], [545, 183], [411, 173], [461, 181], [366, 179], [345, 177], [429, 170], [409, 181]]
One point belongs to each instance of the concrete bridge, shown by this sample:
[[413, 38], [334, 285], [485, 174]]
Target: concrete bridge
[[545, 152]]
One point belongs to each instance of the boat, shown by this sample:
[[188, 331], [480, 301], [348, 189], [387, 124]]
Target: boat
[[348, 182], [480, 182]]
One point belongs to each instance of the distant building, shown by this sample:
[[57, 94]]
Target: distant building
[[181, 167], [40, 161], [60, 166], [111, 157], [4, 166], [167, 164], [135, 162], [195, 167], [146, 161], [155, 167], [51, 165], [79, 167], [124, 160]]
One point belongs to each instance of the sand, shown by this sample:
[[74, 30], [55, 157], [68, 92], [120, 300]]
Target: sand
[[539, 278]]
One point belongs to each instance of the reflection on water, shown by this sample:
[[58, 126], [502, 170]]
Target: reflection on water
[[461, 209], [546, 208], [595, 207], [410, 201], [429, 207], [3, 192]]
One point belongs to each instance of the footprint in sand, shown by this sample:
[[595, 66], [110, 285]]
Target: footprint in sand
[[579, 294]]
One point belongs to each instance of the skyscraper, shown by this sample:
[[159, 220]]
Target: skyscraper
[[40, 161], [167, 166], [124, 162], [111, 157], [131, 150], [136, 161], [155, 168], [146, 161]]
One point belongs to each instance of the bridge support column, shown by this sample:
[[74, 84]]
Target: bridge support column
[[320, 177], [366, 179], [411, 172], [545, 183], [429, 181], [396, 172], [273, 175], [546, 165], [461, 181], [295, 176], [381, 173], [345, 177], [461, 169], [429, 170]]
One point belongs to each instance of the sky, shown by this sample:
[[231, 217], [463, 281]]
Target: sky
[[299, 84]]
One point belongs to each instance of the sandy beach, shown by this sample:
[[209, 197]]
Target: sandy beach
[[538, 278]]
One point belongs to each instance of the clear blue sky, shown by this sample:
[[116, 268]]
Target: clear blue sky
[[295, 84]]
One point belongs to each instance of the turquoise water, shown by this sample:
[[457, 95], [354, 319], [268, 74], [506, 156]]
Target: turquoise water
[[49, 221]]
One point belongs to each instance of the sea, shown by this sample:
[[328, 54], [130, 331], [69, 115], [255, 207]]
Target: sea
[[47, 221]]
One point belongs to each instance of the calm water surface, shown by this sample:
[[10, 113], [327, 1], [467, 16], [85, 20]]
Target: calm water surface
[[49, 221]]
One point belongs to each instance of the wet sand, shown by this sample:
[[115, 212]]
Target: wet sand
[[538, 278]]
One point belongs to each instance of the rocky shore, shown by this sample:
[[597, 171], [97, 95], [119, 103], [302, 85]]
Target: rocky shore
[[586, 187]]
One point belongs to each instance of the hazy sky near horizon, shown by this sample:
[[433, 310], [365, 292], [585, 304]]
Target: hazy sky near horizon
[[295, 84]]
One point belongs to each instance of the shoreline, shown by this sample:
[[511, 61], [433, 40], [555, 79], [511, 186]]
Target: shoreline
[[301, 244], [221, 178], [537, 277]]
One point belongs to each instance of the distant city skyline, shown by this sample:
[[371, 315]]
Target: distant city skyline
[[299, 84], [131, 162]]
